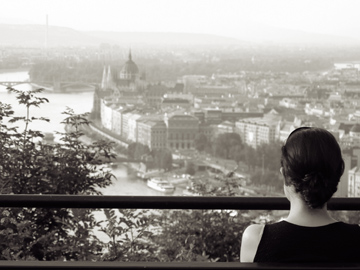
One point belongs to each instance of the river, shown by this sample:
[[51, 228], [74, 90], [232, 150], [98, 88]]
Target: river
[[126, 182], [58, 102]]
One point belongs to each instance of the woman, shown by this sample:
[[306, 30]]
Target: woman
[[311, 165]]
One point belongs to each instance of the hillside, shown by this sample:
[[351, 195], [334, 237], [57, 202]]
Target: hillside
[[30, 35], [35, 36]]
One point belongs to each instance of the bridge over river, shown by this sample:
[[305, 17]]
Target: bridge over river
[[61, 87]]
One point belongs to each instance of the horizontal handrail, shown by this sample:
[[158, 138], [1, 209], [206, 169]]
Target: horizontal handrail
[[167, 202], [174, 265], [163, 202]]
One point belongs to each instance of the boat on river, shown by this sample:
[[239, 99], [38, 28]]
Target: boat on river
[[160, 184]]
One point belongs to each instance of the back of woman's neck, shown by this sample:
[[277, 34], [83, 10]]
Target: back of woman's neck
[[304, 216]]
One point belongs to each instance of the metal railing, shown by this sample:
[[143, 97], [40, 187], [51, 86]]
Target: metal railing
[[175, 266], [166, 202]]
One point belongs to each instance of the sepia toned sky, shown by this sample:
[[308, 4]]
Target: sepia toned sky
[[191, 16]]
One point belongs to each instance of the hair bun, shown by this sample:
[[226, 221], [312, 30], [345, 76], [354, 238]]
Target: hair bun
[[312, 176], [315, 190]]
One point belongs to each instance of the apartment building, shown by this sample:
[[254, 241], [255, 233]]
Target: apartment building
[[257, 131], [155, 94], [224, 127], [354, 182], [151, 132], [106, 114], [117, 120], [132, 124]]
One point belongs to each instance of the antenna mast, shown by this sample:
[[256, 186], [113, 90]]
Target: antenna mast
[[47, 35]]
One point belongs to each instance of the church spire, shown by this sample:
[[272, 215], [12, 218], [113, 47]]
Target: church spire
[[130, 59], [104, 78], [109, 80]]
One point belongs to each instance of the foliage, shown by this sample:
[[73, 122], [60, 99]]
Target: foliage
[[237, 153], [225, 142], [29, 166], [190, 168], [266, 157], [249, 156], [203, 235], [130, 235], [271, 154], [156, 158], [268, 179], [264, 163], [200, 142], [137, 150], [230, 146], [225, 185], [352, 217], [66, 71], [200, 235], [162, 159]]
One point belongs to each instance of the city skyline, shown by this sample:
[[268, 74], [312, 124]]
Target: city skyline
[[231, 18]]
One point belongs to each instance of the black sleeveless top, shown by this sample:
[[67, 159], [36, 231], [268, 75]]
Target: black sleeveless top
[[287, 242]]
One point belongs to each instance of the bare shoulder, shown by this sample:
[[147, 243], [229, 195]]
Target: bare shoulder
[[253, 230], [250, 242]]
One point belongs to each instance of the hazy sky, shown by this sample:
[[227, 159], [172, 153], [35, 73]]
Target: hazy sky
[[191, 16]]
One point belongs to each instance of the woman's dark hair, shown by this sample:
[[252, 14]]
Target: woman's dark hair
[[312, 163]]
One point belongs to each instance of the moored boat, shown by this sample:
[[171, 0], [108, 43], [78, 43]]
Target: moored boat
[[160, 185]]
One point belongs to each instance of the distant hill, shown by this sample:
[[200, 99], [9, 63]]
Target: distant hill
[[31, 35], [262, 33], [155, 38], [35, 36]]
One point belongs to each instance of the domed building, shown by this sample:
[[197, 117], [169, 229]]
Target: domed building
[[127, 80], [130, 70], [125, 87]]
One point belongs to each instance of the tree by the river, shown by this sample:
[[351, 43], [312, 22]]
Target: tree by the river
[[30, 166]]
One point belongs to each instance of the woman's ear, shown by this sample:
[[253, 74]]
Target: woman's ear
[[282, 171]]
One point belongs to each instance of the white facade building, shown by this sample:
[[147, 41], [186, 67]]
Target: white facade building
[[132, 122], [257, 131], [106, 114], [354, 177]]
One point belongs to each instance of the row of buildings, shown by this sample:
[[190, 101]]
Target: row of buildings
[[162, 116], [261, 110]]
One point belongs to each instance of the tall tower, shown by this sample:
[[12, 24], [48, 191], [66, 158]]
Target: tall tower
[[104, 78], [47, 35], [109, 80]]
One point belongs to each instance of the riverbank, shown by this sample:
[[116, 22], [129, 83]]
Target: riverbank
[[47, 89], [13, 70]]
